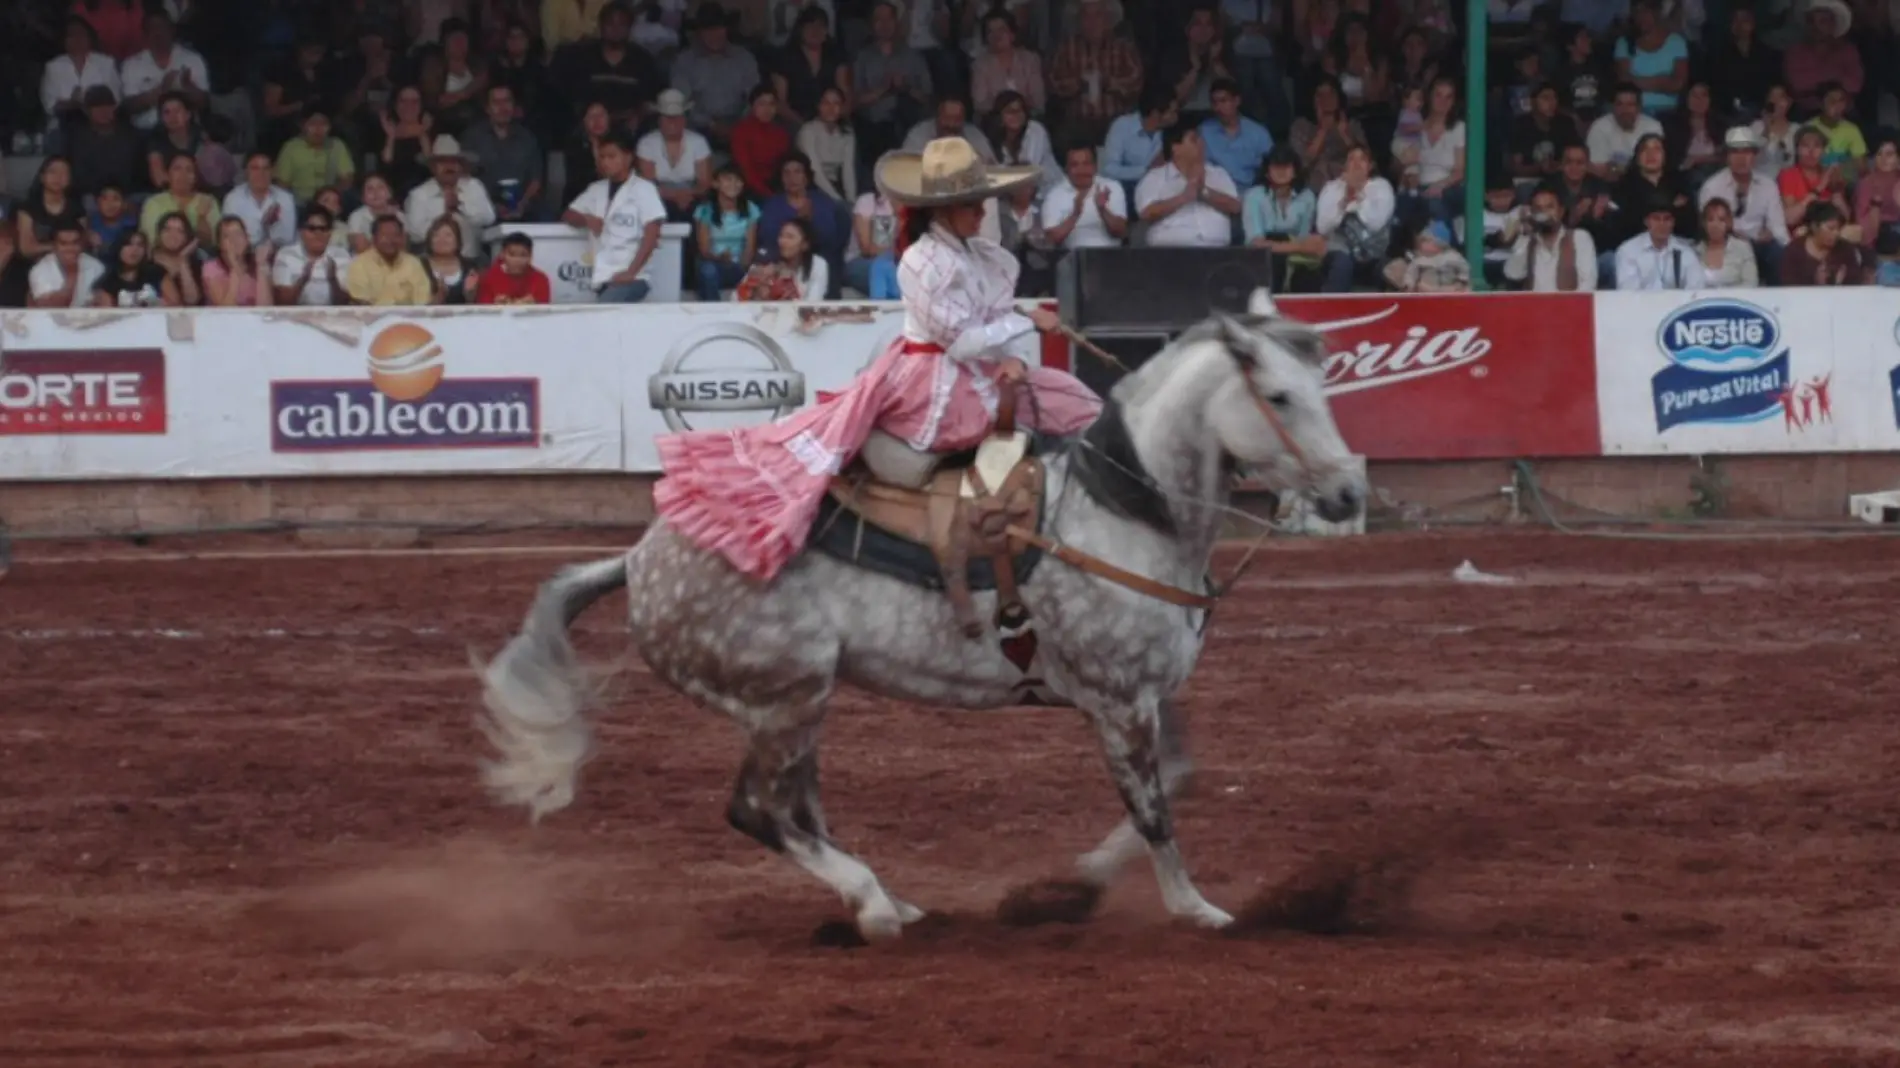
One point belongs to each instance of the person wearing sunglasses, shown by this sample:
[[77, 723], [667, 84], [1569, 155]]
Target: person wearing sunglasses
[[309, 270]]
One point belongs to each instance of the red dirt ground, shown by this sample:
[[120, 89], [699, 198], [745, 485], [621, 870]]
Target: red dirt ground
[[1649, 792]]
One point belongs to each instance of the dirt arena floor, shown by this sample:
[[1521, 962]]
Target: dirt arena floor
[[1647, 795]]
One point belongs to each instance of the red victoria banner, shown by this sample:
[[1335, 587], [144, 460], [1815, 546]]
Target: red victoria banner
[[82, 391], [1460, 376]]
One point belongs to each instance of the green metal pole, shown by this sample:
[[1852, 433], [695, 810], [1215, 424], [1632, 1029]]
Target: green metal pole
[[1477, 122]]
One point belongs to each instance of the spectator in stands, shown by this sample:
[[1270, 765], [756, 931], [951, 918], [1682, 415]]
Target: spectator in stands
[[178, 135], [1657, 258], [797, 198], [1186, 202], [1095, 75], [429, 21], [450, 268], [175, 250], [1252, 26], [1582, 75], [110, 219], [1441, 158], [1538, 139], [1279, 213], [1019, 140], [873, 271], [452, 193], [930, 34], [510, 160], [308, 271], [760, 141], [1825, 56], [582, 149], [315, 160], [164, 68], [1419, 62], [519, 67], [268, 211], [1886, 273], [362, 83], [50, 203], [458, 97], [1190, 68], [1235, 143], [104, 149], [69, 76], [131, 279], [798, 273], [1727, 260], [1087, 211], [119, 25], [1648, 179], [612, 69], [65, 278], [1741, 68], [1613, 138], [1846, 149], [624, 212], [1877, 194], [379, 199], [831, 144], [15, 290], [567, 22], [388, 275], [1134, 140], [296, 85], [1324, 138], [1808, 183], [181, 195], [406, 130], [1693, 135], [676, 159], [893, 83], [513, 277], [787, 17], [1820, 257], [1355, 217], [1653, 57], [1549, 256], [1777, 129], [1755, 208], [716, 75], [1434, 266], [1003, 67], [811, 65], [239, 275], [726, 233], [952, 120]]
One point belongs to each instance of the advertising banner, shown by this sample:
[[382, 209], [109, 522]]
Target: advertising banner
[[1460, 376]]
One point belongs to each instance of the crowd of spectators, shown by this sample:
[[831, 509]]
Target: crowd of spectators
[[246, 152]]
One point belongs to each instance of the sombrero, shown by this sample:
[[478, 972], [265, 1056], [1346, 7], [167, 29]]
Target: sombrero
[[948, 171]]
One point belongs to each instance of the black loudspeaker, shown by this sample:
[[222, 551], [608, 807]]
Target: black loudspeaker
[[1132, 349], [1157, 290]]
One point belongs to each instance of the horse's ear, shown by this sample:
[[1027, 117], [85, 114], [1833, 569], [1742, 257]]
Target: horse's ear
[[1239, 340], [1261, 303]]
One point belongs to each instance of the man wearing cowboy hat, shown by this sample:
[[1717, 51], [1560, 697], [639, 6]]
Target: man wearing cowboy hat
[[749, 494], [1826, 55], [1752, 198], [452, 193], [715, 74]]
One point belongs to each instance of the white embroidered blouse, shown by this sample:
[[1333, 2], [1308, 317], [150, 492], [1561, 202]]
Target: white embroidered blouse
[[961, 295]]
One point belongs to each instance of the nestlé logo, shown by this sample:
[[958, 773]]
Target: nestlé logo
[[1726, 365]]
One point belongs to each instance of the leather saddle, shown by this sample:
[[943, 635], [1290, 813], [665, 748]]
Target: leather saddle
[[960, 507]]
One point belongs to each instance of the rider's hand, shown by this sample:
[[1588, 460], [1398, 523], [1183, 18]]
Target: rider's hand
[[1013, 370], [1045, 320]]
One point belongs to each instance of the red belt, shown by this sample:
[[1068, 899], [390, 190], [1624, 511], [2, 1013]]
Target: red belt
[[921, 348]]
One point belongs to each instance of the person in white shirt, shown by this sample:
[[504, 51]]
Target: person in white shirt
[[1089, 211], [1612, 138], [67, 76], [1552, 257], [310, 271], [66, 278], [452, 193], [1186, 202], [1752, 196], [1354, 215], [624, 212], [268, 210], [1658, 259], [163, 67]]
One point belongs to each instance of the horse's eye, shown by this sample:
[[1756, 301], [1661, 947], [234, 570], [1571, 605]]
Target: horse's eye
[[1279, 400]]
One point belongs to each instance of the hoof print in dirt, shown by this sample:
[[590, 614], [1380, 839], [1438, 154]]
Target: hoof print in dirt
[[1049, 901], [838, 934], [1333, 896]]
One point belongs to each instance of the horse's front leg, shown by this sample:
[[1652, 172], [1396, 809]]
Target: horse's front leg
[[1131, 739], [1101, 865]]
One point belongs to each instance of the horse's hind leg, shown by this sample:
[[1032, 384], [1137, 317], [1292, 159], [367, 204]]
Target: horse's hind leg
[[775, 802], [1101, 865]]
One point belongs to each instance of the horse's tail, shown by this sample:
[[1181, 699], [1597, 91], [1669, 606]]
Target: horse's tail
[[537, 694]]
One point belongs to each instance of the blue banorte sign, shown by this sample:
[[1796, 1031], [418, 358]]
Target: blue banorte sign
[[1726, 365]]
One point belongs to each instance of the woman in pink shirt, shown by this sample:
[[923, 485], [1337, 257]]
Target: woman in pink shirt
[[1003, 67], [232, 280]]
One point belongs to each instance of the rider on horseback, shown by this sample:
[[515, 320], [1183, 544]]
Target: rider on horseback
[[751, 495]]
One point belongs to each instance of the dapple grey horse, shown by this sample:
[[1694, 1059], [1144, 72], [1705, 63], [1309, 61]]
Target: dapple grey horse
[[1144, 489]]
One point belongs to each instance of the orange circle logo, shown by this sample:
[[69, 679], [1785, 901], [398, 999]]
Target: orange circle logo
[[405, 363]]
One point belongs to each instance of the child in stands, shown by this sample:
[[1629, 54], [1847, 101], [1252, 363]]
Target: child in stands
[[513, 277]]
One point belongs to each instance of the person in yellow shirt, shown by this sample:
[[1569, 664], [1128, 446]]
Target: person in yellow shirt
[[565, 21], [387, 274], [315, 160], [181, 195]]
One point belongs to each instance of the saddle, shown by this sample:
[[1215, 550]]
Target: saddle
[[961, 509]]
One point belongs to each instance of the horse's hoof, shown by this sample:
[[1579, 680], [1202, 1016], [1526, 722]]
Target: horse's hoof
[[881, 921], [907, 912], [1209, 917]]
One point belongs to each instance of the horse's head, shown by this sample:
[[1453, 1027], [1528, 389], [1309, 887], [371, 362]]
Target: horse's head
[[1271, 415]]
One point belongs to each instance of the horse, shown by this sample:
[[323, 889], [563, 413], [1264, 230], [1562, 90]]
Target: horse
[[1141, 492]]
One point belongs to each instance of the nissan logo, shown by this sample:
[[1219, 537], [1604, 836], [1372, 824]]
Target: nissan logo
[[725, 367]]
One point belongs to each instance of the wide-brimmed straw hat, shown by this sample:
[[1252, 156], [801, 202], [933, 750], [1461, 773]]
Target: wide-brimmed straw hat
[[1843, 15], [1742, 139], [948, 171], [447, 147]]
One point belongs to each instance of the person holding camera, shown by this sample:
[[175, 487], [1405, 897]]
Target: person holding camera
[[1548, 256]]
